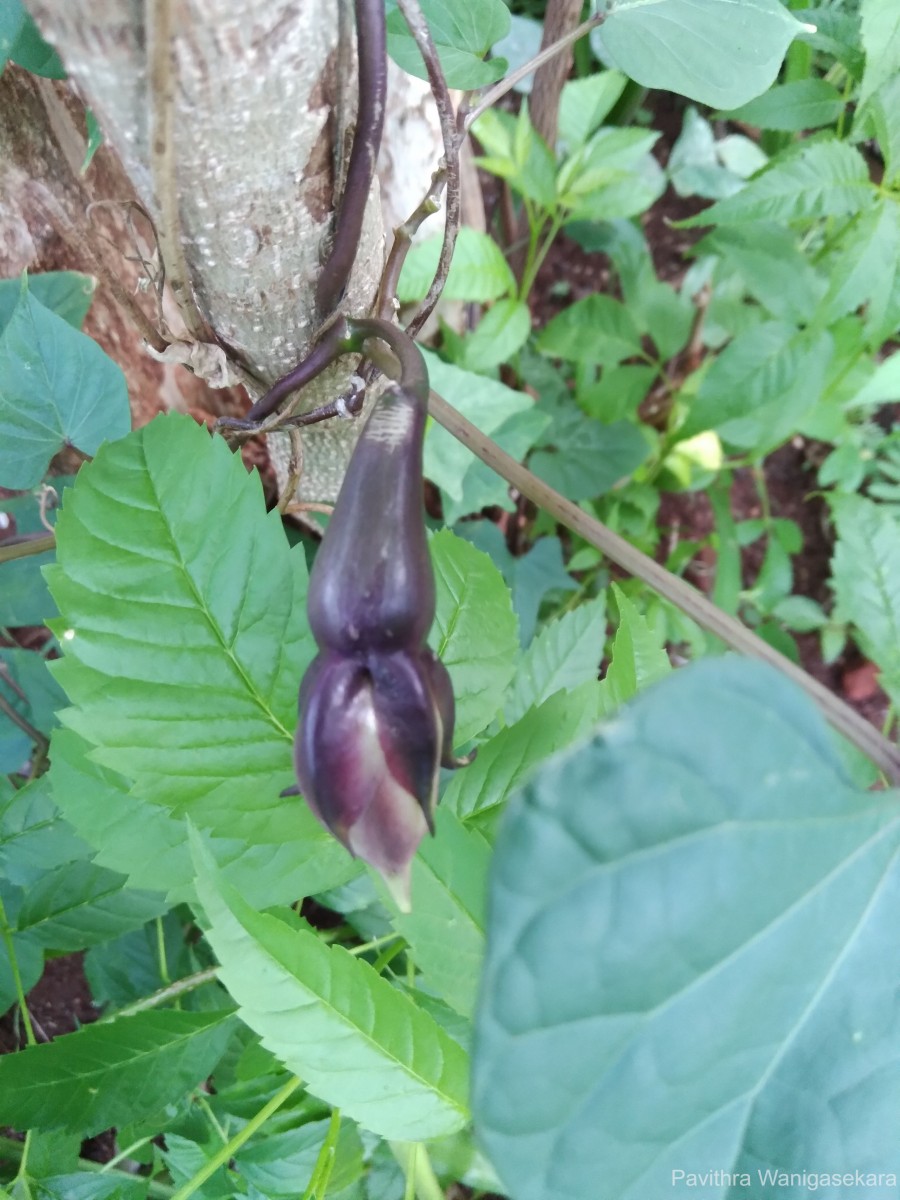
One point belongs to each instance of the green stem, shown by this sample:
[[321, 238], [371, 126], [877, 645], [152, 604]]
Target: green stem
[[164, 995], [161, 952], [421, 1180], [536, 257], [228, 1151], [375, 942], [17, 977], [317, 1187]]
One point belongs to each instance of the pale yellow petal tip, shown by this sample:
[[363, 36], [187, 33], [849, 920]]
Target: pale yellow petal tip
[[400, 888]]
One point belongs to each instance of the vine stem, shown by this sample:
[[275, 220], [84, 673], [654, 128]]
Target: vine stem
[[223, 1156], [26, 546], [844, 719], [164, 995]]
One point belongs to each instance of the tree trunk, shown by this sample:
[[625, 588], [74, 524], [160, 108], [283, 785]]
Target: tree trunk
[[232, 119]]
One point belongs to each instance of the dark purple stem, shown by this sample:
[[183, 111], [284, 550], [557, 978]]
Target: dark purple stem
[[372, 55]]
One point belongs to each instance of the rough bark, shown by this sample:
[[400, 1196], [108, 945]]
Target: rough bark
[[251, 151]]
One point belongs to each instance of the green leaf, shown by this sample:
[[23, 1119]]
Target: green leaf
[[565, 654], [598, 329], [30, 961], [80, 904], [24, 598], [638, 653], [771, 268], [883, 386], [586, 103], [582, 458], [866, 581], [864, 267], [33, 836], [34, 54], [67, 293], [822, 179], [183, 628], [463, 32], [56, 387], [761, 386], [505, 760], [474, 633], [12, 18], [478, 273], [149, 844], [446, 926], [281, 1164], [111, 1073], [720, 995], [792, 107], [501, 332], [358, 1043], [880, 116], [702, 165], [881, 42], [509, 418], [713, 51], [82, 1186], [518, 154], [29, 688], [618, 393]]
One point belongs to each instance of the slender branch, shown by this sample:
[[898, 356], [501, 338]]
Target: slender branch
[[452, 138], [845, 719], [372, 56], [25, 546], [508, 82], [162, 165]]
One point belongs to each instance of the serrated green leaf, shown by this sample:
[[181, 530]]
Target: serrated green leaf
[[822, 179], [463, 32], [880, 26], [445, 929], [505, 760], [110, 1073], [883, 386], [865, 571], [33, 836], [183, 628], [282, 1164], [83, 1186], [792, 107], [565, 654], [80, 904], [30, 963], [864, 267], [357, 1043], [67, 293], [56, 387], [757, 391], [638, 653], [771, 268], [713, 51], [721, 994], [474, 632], [478, 273], [149, 844], [598, 329]]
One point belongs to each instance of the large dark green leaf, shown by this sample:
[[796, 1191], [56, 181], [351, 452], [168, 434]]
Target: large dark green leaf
[[108, 1074], [56, 387], [692, 954], [24, 598]]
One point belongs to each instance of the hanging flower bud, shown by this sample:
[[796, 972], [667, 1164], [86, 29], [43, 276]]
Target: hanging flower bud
[[376, 705]]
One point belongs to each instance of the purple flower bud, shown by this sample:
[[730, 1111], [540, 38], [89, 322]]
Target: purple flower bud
[[376, 705], [367, 753]]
